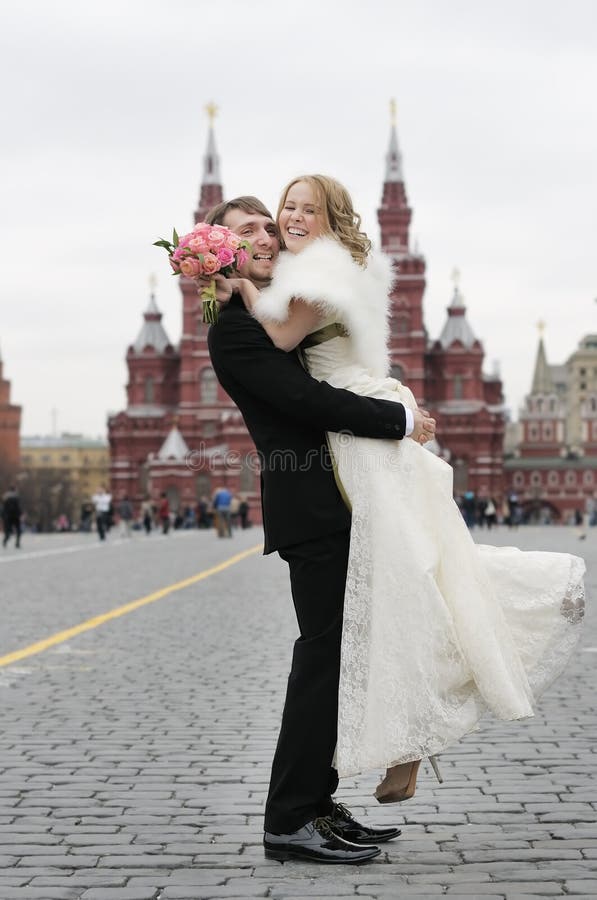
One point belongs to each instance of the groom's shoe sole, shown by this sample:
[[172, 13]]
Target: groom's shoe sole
[[287, 855]]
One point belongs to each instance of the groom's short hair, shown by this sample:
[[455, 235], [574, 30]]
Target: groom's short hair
[[248, 204]]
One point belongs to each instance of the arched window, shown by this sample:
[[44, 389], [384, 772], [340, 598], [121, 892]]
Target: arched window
[[458, 387], [148, 389], [589, 477], [518, 479], [397, 372], [248, 472], [400, 323], [209, 386], [202, 485], [553, 479], [533, 432], [547, 431], [570, 478], [535, 478]]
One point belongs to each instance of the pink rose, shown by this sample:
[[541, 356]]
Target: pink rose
[[232, 241], [211, 264], [216, 238], [191, 267], [202, 228], [241, 257], [198, 245], [226, 256]]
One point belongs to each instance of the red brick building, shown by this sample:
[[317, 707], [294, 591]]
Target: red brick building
[[181, 434], [553, 466], [10, 427]]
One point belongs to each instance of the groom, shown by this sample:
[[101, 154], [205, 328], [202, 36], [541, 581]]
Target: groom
[[305, 520]]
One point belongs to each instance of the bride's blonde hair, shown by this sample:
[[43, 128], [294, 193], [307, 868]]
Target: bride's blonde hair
[[340, 220]]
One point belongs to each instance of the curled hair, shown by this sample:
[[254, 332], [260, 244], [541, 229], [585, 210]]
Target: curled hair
[[340, 220]]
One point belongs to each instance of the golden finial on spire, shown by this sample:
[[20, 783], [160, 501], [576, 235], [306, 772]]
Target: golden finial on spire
[[456, 276], [212, 110], [393, 111], [540, 327]]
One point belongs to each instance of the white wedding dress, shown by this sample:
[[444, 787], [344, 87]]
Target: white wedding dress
[[437, 629]]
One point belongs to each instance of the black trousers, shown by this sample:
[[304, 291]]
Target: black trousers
[[303, 778]]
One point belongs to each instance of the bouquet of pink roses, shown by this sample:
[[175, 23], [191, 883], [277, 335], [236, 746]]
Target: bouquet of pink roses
[[207, 249]]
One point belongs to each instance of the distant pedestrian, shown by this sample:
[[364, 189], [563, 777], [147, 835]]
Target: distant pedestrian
[[11, 516], [164, 513], [469, 508], [579, 521], [221, 503], [102, 501], [203, 513], [125, 513], [490, 513], [243, 512], [147, 515], [514, 514]]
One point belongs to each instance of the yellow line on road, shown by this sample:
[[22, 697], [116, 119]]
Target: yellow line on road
[[62, 636]]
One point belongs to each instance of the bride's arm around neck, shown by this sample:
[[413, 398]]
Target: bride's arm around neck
[[303, 318]]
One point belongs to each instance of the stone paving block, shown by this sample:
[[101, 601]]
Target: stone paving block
[[243, 892], [391, 889], [121, 893], [81, 879], [157, 861], [547, 888], [66, 861], [199, 877], [43, 893]]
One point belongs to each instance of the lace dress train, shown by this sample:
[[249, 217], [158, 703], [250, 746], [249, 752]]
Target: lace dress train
[[437, 630]]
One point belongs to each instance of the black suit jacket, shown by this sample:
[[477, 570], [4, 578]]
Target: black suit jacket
[[287, 413]]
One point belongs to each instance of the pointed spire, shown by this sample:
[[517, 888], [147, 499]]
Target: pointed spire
[[542, 378], [393, 156], [457, 327], [211, 183], [211, 160], [457, 298], [152, 333]]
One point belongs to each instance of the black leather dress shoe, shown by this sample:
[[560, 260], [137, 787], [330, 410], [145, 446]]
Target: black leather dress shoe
[[317, 841], [348, 828]]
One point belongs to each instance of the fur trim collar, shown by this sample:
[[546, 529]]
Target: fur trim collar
[[324, 273]]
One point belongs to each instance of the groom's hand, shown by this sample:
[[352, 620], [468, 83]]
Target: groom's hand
[[424, 429], [224, 286]]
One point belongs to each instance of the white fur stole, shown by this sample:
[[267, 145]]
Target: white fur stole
[[325, 274]]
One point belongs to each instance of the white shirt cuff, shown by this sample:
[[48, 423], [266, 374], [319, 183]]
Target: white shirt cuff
[[410, 421]]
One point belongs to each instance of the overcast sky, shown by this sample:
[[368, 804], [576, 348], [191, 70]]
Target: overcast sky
[[104, 132]]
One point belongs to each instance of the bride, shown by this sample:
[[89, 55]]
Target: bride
[[437, 630]]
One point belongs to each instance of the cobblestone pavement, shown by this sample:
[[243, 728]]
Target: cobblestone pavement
[[134, 757]]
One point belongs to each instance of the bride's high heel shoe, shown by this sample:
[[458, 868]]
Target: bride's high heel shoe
[[400, 781]]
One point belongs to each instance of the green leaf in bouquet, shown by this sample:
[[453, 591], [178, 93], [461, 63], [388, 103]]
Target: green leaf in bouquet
[[163, 243], [174, 237]]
